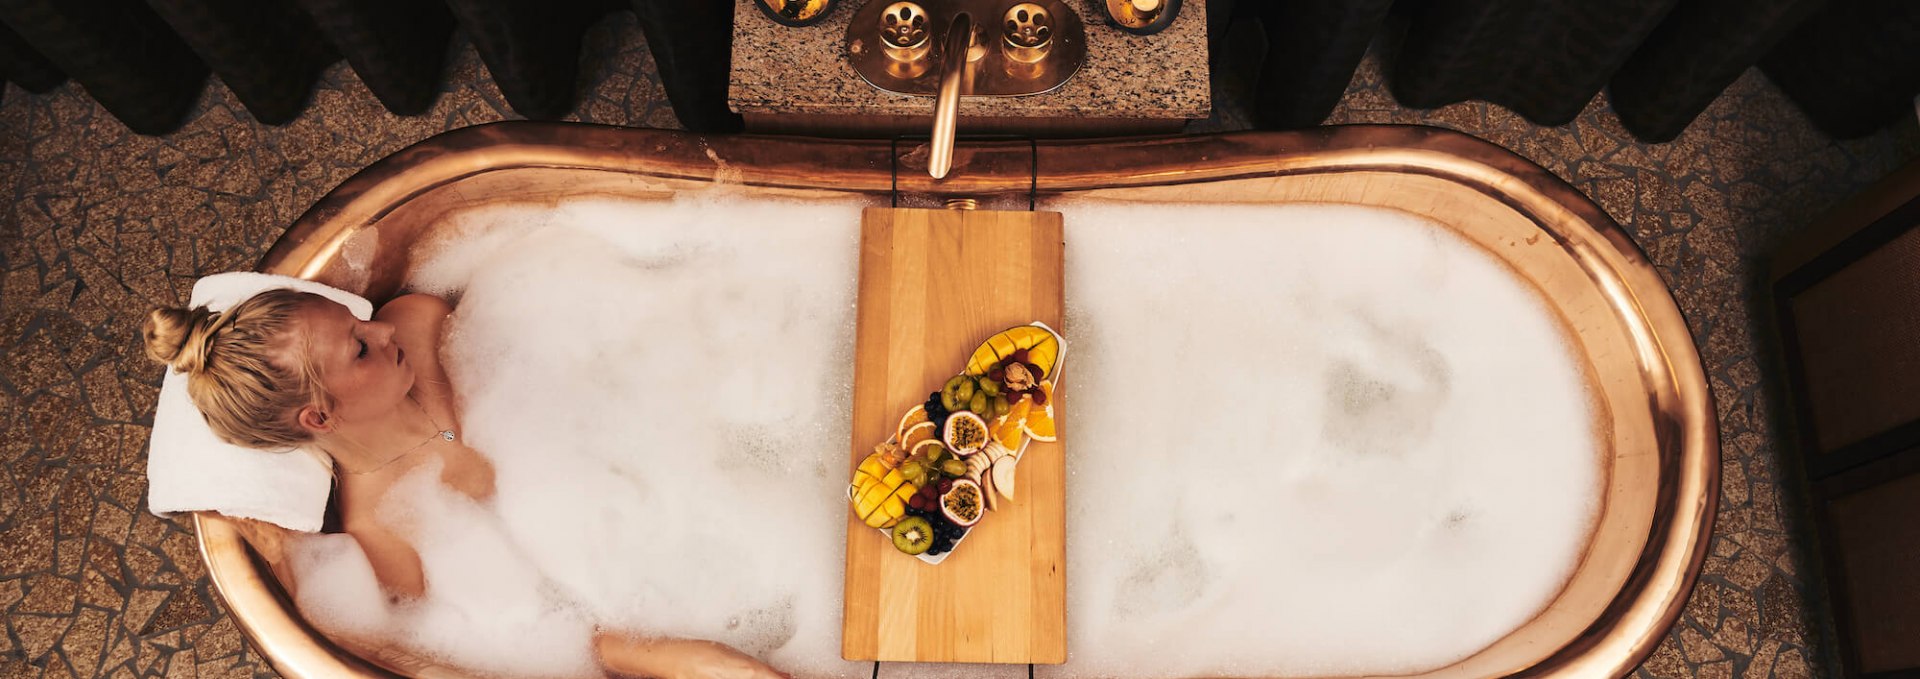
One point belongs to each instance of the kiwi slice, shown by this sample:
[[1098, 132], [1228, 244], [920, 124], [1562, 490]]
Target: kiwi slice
[[913, 535]]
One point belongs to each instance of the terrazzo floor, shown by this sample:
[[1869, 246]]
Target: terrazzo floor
[[104, 224]]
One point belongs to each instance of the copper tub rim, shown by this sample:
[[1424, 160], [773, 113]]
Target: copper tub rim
[[1624, 635]]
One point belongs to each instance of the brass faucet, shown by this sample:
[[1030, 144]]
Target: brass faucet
[[955, 58], [940, 48]]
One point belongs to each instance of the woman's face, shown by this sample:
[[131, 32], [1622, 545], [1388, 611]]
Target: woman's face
[[359, 363]]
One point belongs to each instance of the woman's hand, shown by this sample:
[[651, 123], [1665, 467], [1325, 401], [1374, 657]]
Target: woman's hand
[[677, 659]]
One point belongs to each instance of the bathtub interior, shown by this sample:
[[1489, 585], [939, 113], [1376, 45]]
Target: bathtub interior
[[1564, 266]]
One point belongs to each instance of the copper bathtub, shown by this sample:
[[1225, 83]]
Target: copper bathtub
[[1656, 426]]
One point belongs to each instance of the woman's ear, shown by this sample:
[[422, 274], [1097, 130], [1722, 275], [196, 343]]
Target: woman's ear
[[315, 420]]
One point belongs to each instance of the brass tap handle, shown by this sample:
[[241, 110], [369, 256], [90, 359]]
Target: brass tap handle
[[1142, 17], [795, 13]]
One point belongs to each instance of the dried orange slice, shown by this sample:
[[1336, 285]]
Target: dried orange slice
[[1039, 421]]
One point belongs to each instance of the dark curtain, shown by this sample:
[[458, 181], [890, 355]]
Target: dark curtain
[[1700, 49], [119, 50], [532, 47], [397, 47], [1312, 49], [268, 53], [145, 61], [1852, 65], [20, 65], [1544, 60]]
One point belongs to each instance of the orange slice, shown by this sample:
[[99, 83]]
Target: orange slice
[[925, 449], [914, 416], [912, 436], [1011, 429], [1039, 421]]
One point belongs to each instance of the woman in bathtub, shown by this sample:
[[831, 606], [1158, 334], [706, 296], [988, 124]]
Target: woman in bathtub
[[288, 369]]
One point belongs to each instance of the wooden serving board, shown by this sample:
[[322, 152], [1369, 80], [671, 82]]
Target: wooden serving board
[[934, 284]]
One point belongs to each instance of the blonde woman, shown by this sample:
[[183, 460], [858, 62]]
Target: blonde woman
[[287, 369]]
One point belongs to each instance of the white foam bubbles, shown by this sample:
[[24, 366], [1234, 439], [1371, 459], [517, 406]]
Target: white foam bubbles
[[666, 401], [1309, 440], [1302, 440], [486, 608]]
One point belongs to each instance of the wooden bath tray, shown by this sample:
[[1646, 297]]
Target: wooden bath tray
[[933, 285]]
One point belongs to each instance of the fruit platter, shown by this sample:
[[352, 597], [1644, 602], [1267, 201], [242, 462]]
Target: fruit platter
[[953, 459]]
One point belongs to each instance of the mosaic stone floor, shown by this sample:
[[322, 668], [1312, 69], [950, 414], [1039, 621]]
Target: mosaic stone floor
[[103, 224]]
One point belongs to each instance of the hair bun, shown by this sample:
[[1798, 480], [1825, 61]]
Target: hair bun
[[177, 336]]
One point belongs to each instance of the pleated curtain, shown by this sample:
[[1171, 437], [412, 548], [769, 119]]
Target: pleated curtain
[[1852, 65], [145, 61]]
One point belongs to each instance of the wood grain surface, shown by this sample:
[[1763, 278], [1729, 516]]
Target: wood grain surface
[[934, 284]]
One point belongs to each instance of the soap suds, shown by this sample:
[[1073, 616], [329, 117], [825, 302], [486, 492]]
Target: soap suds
[[1309, 440], [1302, 440]]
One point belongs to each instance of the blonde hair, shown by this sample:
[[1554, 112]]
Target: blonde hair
[[240, 371]]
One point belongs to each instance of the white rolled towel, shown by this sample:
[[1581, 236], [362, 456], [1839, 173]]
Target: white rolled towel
[[190, 469]]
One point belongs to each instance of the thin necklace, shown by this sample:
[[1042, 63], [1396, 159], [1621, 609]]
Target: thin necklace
[[443, 434]]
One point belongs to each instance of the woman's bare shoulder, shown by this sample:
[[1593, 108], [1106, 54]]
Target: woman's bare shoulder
[[418, 321], [414, 308]]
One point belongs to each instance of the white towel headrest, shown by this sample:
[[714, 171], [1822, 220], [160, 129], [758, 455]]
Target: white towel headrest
[[191, 469]]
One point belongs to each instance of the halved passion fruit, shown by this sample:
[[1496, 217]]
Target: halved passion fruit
[[964, 503], [966, 433]]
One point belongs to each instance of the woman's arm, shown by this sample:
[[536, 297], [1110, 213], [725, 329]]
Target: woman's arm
[[629, 656], [270, 542], [394, 562]]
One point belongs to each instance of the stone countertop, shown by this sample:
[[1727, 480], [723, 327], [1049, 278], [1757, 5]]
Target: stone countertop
[[784, 70]]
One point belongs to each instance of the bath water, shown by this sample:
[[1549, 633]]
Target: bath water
[[1303, 440]]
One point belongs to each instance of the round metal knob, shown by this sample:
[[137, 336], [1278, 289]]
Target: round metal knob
[[903, 25], [1027, 25]]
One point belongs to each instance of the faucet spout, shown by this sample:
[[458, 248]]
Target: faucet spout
[[946, 106]]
